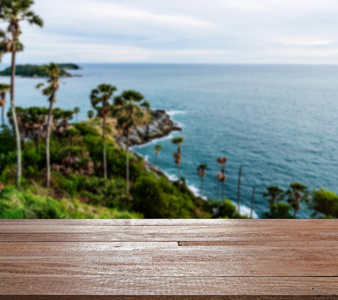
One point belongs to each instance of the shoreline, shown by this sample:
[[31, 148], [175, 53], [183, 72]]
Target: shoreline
[[161, 127], [164, 116]]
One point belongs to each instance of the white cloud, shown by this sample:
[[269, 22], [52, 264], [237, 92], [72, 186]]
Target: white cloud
[[224, 31], [303, 41]]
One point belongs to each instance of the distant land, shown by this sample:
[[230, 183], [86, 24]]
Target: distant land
[[37, 71]]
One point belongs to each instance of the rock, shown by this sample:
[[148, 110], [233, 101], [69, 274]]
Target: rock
[[160, 126]]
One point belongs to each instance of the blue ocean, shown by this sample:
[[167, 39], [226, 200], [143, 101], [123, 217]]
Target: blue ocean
[[279, 122]]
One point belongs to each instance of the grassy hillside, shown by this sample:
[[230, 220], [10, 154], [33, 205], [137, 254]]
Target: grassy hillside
[[78, 189], [35, 203]]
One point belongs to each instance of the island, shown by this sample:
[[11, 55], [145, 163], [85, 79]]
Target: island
[[35, 71]]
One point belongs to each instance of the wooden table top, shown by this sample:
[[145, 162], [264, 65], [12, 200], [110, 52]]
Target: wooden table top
[[227, 259]]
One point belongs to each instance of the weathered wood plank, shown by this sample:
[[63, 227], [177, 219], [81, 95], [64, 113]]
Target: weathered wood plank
[[108, 285], [149, 235], [170, 257], [48, 248], [165, 259], [144, 266]]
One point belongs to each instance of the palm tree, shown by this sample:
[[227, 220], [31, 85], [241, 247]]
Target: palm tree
[[76, 111], [4, 88], [221, 176], [13, 12], [297, 193], [178, 158], [146, 106], [201, 172], [90, 114], [53, 72], [158, 149], [239, 190], [274, 193], [100, 98], [127, 109]]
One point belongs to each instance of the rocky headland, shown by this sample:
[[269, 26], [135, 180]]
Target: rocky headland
[[160, 126]]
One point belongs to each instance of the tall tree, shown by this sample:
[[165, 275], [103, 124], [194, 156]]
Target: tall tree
[[295, 194], [221, 176], [4, 89], [76, 111], [100, 98], [127, 109], [158, 149], [50, 91], [274, 193], [178, 158], [14, 12], [201, 172]]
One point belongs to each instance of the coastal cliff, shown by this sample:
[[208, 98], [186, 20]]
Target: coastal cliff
[[160, 126]]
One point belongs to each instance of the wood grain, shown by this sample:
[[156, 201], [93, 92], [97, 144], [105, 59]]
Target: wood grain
[[133, 285], [158, 258]]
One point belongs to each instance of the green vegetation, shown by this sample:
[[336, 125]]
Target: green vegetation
[[37, 204], [32, 71], [69, 66], [87, 175], [77, 181], [13, 13], [325, 204], [127, 110]]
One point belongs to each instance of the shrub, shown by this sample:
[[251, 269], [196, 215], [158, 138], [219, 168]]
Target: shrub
[[324, 203], [281, 210]]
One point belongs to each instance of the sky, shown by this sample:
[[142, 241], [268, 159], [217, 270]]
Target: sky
[[183, 31]]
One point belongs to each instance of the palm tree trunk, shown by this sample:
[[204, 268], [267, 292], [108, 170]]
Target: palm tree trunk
[[3, 115], [217, 190], [49, 120], [239, 190], [15, 121], [202, 186], [156, 159], [223, 193], [252, 202], [104, 148], [127, 163], [179, 180]]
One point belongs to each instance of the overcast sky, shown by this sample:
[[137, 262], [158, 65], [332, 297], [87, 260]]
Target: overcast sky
[[183, 31]]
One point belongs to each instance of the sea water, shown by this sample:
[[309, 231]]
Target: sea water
[[279, 122]]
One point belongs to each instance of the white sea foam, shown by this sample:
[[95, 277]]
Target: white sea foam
[[246, 211], [172, 113], [171, 176], [196, 191], [154, 141]]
